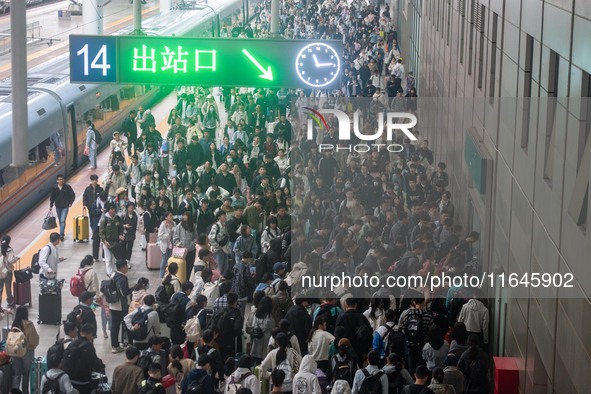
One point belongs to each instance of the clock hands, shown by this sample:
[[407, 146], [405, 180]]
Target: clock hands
[[320, 64]]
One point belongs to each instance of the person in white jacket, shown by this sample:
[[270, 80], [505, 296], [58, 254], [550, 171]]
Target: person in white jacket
[[475, 316], [306, 381], [243, 377]]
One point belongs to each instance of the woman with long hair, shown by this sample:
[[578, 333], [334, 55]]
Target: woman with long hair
[[171, 279], [21, 366], [319, 341], [185, 236], [283, 358], [165, 235], [150, 219], [139, 291], [8, 259], [262, 325], [268, 234], [375, 313]]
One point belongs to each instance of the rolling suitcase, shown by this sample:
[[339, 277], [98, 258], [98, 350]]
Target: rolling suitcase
[[5, 378], [38, 368], [182, 263], [21, 289], [154, 257], [81, 227], [50, 309]]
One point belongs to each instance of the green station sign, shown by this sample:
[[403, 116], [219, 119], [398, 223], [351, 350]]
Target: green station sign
[[206, 61]]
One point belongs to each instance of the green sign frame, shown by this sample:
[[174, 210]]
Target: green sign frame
[[208, 61]]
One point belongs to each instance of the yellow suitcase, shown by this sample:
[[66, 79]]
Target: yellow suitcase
[[82, 227]]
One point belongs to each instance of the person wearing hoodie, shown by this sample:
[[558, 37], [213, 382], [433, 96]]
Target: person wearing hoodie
[[475, 316], [306, 381], [200, 376], [244, 377], [437, 385], [341, 387], [453, 375], [54, 373], [396, 366], [436, 349]]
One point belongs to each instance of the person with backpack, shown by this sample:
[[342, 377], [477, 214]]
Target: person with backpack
[[243, 280], [88, 275], [143, 323], [474, 365], [283, 327], [437, 385], [198, 381], [306, 381], [283, 358], [153, 384], [127, 376], [21, 366], [175, 313], [243, 378], [56, 381], [415, 323], [80, 360], [398, 376], [281, 301], [300, 322], [420, 384], [357, 328], [387, 336], [111, 233], [120, 307], [49, 258], [370, 380], [330, 311], [179, 365], [83, 313], [185, 236], [196, 317], [229, 322], [342, 364], [171, 282], [153, 355]]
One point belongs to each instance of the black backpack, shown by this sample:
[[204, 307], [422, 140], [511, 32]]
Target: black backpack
[[223, 322], [147, 387], [163, 294], [35, 267], [52, 386], [144, 361], [413, 328], [395, 382], [72, 363], [396, 341], [173, 312], [198, 386], [58, 348], [363, 337], [110, 290], [371, 384], [98, 138], [140, 317], [342, 370]]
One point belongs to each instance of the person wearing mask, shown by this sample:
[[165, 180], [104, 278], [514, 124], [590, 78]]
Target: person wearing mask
[[21, 366], [7, 260], [89, 198], [111, 233], [49, 257], [199, 376], [55, 374], [372, 369], [283, 358], [119, 309], [165, 236], [62, 196], [83, 361]]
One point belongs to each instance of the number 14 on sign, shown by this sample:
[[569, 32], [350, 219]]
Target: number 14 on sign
[[101, 57]]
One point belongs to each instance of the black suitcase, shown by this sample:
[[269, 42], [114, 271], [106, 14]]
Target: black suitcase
[[50, 309]]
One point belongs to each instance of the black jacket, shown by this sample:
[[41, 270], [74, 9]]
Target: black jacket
[[86, 361], [62, 198], [300, 324], [90, 195], [81, 315]]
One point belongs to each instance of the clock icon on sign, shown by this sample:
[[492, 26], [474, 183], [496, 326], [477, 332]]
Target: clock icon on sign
[[318, 64]]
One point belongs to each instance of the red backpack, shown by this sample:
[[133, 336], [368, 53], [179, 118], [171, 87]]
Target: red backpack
[[77, 286]]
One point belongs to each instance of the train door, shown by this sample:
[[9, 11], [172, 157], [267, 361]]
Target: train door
[[71, 138]]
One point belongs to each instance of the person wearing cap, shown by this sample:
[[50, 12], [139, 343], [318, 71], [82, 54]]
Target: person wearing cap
[[279, 273], [83, 313], [116, 181], [91, 146]]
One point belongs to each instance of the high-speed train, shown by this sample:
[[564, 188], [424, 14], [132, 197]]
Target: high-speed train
[[58, 110]]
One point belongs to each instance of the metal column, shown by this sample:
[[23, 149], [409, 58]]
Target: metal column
[[165, 6], [18, 57], [90, 16], [137, 16], [275, 5]]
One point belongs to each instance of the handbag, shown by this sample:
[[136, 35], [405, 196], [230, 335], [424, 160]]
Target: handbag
[[23, 276], [16, 343], [49, 223], [177, 251], [86, 151]]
